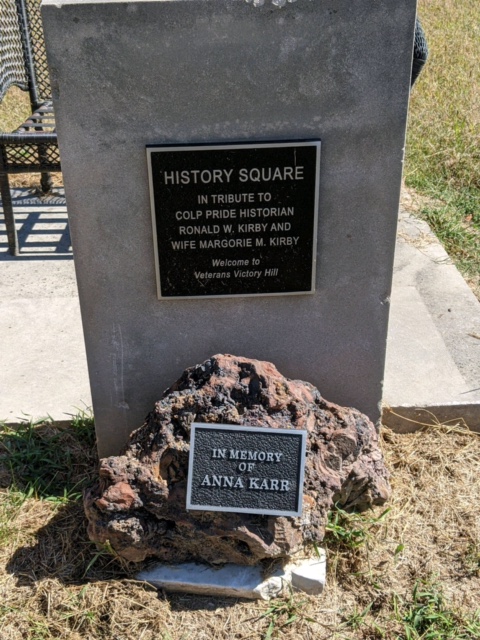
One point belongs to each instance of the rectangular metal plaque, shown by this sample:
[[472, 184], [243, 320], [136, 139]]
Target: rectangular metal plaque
[[234, 220], [246, 469]]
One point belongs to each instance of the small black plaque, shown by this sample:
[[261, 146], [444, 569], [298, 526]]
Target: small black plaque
[[246, 469], [235, 220]]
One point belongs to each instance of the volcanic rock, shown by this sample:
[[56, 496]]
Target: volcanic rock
[[139, 502]]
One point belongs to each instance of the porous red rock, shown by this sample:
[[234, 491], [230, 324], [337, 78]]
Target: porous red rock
[[139, 503]]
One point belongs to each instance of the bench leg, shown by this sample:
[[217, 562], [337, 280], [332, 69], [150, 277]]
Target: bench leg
[[8, 215], [46, 182], [45, 178]]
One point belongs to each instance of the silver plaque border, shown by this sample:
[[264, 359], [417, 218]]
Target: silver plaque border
[[219, 147], [239, 427]]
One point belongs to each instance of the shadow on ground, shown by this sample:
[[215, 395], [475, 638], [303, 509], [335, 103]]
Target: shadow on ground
[[42, 227], [62, 551], [43, 470]]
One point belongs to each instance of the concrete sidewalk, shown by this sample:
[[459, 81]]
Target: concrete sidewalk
[[433, 354], [44, 369], [433, 349]]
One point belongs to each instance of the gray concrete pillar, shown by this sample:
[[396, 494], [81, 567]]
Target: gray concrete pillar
[[130, 74]]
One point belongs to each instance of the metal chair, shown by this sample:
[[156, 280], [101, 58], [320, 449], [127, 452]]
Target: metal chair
[[32, 147]]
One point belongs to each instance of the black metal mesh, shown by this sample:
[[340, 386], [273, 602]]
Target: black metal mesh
[[38, 49], [42, 119], [32, 158], [420, 47], [33, 146], [12, 62], [420, 52]]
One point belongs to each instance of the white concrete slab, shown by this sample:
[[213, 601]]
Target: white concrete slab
[[230, 580], [422, 262], [43, 370], [421, 369], [433, 350], [237, 581], [309, 575], [43, 364]]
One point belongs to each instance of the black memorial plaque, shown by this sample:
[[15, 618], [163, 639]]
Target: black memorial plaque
[[246, 469], [235, 220]]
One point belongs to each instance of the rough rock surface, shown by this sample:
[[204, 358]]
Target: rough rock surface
[[139, 502]]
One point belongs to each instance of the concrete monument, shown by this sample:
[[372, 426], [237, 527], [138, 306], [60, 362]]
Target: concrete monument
[[135, 76]]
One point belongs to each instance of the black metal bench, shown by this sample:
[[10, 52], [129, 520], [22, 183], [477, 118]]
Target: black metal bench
[[32, 147]]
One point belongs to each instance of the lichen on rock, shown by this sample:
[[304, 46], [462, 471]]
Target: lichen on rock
[[139, 503]]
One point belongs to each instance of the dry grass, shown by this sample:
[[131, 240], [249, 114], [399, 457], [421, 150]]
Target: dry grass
[[443, 143], [444, 125], [55, 584], [14, 109]]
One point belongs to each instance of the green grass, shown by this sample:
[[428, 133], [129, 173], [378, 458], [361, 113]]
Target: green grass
[[443, 143], [471, 558], [349, 531], [48, 461], [428, 616], [448, 219], [425, 614], [283, 613]]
